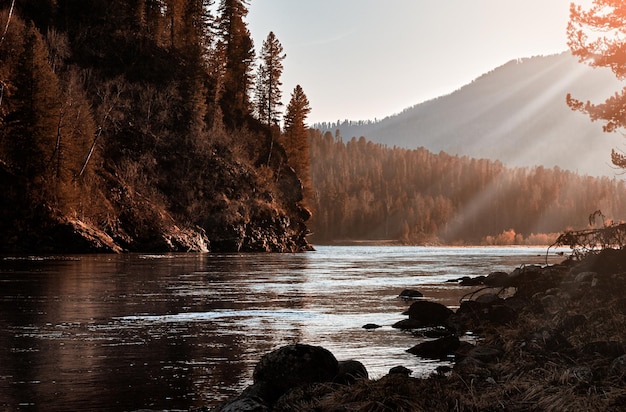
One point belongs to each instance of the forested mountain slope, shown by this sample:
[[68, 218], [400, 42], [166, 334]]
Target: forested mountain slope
[[127, 126], [367, 191], [516, 114]]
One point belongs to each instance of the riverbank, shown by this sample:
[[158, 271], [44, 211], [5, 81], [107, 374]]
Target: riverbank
[[556, 343]]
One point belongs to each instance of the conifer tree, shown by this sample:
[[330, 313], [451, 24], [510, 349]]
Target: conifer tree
[[598, 37], [296, 135], [33, 120], [268, 93], [236, 58]]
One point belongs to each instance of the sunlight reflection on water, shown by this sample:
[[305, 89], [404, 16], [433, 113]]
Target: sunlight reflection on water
[[176, 331]]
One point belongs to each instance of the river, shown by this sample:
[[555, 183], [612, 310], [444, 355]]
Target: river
[[181, 331]]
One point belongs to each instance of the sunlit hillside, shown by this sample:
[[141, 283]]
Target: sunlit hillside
[[366, 191], [516, 114]]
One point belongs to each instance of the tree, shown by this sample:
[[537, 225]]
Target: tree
[[296, 135], [236, 53], [268, 93], [33, 121], [598, 38]]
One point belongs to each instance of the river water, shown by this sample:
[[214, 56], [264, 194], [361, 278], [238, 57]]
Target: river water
[[181, 331]]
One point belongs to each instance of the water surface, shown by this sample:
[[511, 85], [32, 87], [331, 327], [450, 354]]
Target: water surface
[[180, 331]]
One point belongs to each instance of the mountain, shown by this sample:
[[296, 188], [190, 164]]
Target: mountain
[[516, 114]]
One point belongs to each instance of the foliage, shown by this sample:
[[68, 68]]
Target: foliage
[[268, 94], [367, 191], [598, 37], [296, 138], [134, 117]]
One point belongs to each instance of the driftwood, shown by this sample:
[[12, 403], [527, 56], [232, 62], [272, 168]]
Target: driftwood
[[582, 242]]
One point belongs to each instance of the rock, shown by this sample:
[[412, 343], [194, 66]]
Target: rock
[[468, 281], [371, 326], [489, 299], [350, 371], [550, 303], [429, 313], [497, 279], [586, 277], [406, 324], [436, 349], [292, 366], [400, 370], [410, 294]]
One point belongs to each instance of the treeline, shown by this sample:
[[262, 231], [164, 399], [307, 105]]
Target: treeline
[[366, 191], [139, 119]]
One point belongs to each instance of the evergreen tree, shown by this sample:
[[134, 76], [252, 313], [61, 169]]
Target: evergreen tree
[[296, 135], [268, 93], [598, 37], [33, 121], [236, 58]]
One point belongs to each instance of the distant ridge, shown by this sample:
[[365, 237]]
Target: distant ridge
[[516, 114]]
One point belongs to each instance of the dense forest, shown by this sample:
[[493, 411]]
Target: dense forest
[[133, 125], [367, 191]]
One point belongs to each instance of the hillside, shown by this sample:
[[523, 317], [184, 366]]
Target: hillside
[[367, 191], [516, 114], [126, 126]]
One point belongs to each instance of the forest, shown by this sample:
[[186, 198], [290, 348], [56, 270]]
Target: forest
[[146, 125], [367, 191]]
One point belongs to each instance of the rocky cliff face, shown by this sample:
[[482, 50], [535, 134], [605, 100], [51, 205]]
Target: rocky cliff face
[[241, 214]]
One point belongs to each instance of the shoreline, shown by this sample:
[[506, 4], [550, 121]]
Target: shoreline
[[558, 343]]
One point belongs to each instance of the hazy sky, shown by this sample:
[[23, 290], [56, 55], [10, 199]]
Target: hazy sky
[[366, 59]]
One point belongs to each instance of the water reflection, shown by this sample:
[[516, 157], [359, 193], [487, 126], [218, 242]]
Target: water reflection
[[175, 331]]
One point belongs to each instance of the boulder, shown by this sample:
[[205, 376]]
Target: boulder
[[350, 371], [371, 326], [292, 366], [429, 313], [497, 279], [406, 324], [489, 298], [436, 349], [400, 370], [410, 294]]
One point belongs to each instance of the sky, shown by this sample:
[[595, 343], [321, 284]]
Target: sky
[[368, 59]]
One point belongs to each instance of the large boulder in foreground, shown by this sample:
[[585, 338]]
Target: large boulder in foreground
[[292, 366]]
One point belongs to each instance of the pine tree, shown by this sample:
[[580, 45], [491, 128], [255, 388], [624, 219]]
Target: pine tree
[[296, 136], [268, 93], [598, 37], [236, 58], [34, 117]]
